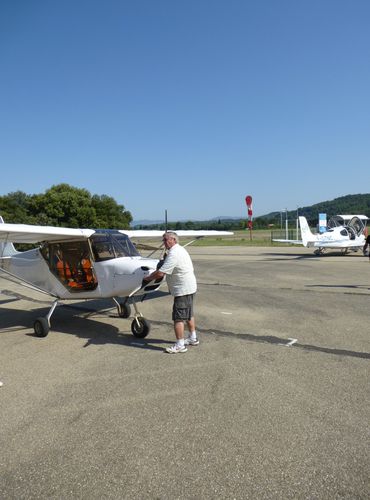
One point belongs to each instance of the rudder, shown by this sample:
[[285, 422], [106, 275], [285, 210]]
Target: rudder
[[307, 236]]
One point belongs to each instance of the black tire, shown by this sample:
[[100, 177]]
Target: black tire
[[124, 311], [41, 327], [140, 327]]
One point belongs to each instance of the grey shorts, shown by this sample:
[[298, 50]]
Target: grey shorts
[[183, 308]]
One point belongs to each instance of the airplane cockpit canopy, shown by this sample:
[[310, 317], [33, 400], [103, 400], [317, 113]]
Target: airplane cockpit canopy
[[336, 221], [346, 220], [354, 227], [109, 244]]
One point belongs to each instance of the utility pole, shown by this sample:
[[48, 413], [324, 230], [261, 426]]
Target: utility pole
[[286, 223]]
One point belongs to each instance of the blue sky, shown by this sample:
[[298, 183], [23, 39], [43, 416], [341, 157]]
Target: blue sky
[[187, 105]]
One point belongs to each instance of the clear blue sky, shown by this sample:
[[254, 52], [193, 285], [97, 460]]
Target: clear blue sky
[[187, 105]]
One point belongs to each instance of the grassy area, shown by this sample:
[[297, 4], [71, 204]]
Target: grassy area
[[260, 237]]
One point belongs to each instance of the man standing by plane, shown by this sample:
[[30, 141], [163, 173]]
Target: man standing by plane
[[182, 285], [367, 243]]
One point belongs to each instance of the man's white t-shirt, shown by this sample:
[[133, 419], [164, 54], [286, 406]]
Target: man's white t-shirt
[[179, 271]]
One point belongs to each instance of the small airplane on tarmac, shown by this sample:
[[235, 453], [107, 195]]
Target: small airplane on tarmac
[[344, 232], [74, 264]]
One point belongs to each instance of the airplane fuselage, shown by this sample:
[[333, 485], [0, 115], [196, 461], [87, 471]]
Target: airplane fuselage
[[121, 276]]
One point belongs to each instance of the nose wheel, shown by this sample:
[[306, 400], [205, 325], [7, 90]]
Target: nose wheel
[[140, 327]]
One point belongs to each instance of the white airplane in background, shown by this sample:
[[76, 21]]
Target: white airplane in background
[[345, 232], [75, 264]]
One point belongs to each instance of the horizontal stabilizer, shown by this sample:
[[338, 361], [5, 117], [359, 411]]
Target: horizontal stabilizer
[[292, 242]]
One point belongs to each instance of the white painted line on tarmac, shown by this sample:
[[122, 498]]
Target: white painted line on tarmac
[[224, 312], [137, 343], [290, 343]]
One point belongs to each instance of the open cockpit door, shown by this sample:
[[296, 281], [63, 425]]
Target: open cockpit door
[[72, 263], [356, 226]]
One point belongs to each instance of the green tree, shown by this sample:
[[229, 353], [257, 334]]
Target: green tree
[[14, 207], [109, 214], [66, 206]]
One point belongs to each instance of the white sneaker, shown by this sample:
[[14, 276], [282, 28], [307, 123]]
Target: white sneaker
[[190, 341], [176, 349]]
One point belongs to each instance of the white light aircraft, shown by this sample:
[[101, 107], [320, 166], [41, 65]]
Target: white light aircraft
[[344, 232], [74, 264]]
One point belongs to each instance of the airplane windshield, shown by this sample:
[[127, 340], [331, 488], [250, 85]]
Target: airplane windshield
[[109, 244], [335, 221]]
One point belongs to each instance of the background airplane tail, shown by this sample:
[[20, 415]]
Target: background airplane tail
[[307, 236], [6, 249]]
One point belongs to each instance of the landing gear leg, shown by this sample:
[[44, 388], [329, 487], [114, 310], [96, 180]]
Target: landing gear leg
[[41, 325], [123, 309], [140, 326]]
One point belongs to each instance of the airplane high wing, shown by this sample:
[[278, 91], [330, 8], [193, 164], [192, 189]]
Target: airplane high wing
[[25, 233], [197, 233], [74, 264], [344, 233]]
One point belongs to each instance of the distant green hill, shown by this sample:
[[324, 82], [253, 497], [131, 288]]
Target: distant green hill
[[350, 204]]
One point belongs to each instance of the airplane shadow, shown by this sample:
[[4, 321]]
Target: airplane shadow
[[361, 287], [272, 256], [298, 256], [7, 301], [95, 332], [67, 321], [272, 340]]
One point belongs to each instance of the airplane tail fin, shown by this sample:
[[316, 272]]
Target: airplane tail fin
[[6, 248], [307, 237]]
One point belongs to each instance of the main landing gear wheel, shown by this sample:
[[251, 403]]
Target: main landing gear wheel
[[41, 327], [140, 327], [124, 310]]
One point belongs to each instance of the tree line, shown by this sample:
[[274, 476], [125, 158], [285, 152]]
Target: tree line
[[64, 206], [67, 206]]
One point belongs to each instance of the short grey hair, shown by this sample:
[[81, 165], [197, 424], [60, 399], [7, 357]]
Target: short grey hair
[[173, 235]]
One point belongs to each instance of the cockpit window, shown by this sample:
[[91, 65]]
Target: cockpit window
[[108, 244], [71, 262]]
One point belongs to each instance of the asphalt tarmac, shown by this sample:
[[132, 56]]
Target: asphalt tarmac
[[273, 403]]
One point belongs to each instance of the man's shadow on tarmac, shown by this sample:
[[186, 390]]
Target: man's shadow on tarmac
[[75, 319]]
